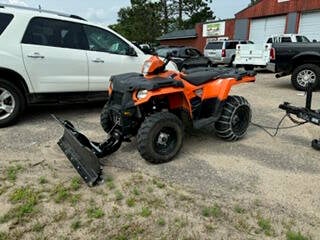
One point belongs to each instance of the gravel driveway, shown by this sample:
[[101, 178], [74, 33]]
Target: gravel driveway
[[283, 173]]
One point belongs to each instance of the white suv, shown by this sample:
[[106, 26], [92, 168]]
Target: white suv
[[48, 57]]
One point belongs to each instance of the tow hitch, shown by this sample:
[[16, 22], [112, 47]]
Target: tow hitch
[[305, 113], [84, 154]]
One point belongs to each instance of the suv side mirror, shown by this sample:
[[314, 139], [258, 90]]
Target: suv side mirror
[[131, 52]]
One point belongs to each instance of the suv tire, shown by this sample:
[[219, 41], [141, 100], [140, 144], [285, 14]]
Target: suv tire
[[234, 120], [12, 103], [160, 137], [305, 73]]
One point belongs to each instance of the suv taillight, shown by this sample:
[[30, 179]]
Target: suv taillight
[[223, 53], [272, 54]]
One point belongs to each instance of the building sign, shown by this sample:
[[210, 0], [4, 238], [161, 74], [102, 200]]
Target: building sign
[[214, 29]]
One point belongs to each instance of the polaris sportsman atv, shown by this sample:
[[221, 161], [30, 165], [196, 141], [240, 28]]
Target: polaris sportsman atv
[[155, 107]]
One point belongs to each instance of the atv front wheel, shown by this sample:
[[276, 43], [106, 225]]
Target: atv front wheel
[[160, 137], [105, 119], [234, 120]]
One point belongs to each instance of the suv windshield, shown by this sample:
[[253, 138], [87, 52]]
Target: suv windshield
[[214, 45], [5, 19], [302, 39]]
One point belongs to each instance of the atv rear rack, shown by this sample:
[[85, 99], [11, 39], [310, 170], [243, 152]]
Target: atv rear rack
[[305, 113]]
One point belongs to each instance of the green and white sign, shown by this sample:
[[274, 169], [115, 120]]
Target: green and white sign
[[214, 29]]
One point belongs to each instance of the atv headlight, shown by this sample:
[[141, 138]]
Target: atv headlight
[[146, 67], [142, 94]]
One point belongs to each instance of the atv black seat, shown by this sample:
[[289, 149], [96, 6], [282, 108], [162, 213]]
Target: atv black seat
[[136, 81], [204, 75]]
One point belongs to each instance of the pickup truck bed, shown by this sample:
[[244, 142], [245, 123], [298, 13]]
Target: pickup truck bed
[[301, 60]]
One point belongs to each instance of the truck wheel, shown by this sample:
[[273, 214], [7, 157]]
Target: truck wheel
[[235, 119], [304, 74], [160, 137], [105, 120], [12, 103]]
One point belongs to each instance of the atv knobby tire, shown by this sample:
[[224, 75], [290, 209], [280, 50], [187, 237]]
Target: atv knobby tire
[[160, 137], [305, 73], [235, 119], [105, 120]]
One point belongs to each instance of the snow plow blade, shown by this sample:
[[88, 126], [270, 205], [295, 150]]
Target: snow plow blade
[[81, 153]]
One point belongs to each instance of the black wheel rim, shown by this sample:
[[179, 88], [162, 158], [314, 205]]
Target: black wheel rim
[[240, 120], [165, 140]]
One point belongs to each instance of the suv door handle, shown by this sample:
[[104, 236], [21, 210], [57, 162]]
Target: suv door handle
[[98, 60], [36, 55]]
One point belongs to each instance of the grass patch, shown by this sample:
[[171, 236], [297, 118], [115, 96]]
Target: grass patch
[[12, 172], [38, 227], [161, 222], [43, 180], [61, 193], [145, 212], [295, 236], [75, 199], [4, 236], [213, 211], [150, 189], [95, 212], [119, 195], [136, 192], [111, 185], [75, 225], [239, 209], [265, 225], [27, 198], [131, 202], [58, 217], [159, 184], [76, 183]]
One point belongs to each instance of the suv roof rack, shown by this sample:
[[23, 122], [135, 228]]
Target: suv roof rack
[[41, 10]]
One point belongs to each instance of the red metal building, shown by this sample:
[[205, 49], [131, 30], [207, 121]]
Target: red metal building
[[257, 23]]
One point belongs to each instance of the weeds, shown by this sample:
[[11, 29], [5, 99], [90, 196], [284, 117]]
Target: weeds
[[12, 172], [295, 236], [239, 209], [95, 212], [61, 193], [131, 202], [43, 180], [161, 222], [145, 212], [213, 211], [158, 184], [265, 225], [76, 224], [136, 192], [76, 183], [119, 195], [38, 227]]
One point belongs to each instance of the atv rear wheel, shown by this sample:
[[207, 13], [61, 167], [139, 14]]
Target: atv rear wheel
[[105, 119], [160, 137], [234, 120]]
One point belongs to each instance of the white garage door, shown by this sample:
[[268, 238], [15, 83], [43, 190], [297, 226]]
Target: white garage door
[[262, 28], [310, 25]]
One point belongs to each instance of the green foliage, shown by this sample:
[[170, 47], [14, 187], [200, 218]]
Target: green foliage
[[295, 236], [265, 225], [76, 224], [146, 20], [213, 211], [161, 222], [76, 183], [12, 172], [145, 212], [131, 202], [239, 209], [61, 193], [43, 180], [119, 195], [95, 212]]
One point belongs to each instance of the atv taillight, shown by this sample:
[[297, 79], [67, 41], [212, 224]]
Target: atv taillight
[[223, 53], [272, 54]]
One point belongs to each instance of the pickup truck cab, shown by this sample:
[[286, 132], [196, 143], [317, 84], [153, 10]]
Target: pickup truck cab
[[301, 60], [259, 55]]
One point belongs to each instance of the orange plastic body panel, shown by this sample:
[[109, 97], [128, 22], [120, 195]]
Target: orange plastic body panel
[[180, 97]]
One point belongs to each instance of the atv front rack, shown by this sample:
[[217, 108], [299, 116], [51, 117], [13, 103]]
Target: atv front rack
[[305, 113], [84, 154]]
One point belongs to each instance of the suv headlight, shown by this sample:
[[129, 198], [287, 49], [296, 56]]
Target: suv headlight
[[142, 94], [146, 67]]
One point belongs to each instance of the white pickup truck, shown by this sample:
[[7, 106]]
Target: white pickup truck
[[250, 56]]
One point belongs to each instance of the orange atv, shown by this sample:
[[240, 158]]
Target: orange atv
[[155, 107]]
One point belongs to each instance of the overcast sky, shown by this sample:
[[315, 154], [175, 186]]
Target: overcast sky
[[105, 11]]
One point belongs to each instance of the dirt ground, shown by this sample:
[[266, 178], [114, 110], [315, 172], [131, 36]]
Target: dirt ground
[[257, 188]]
